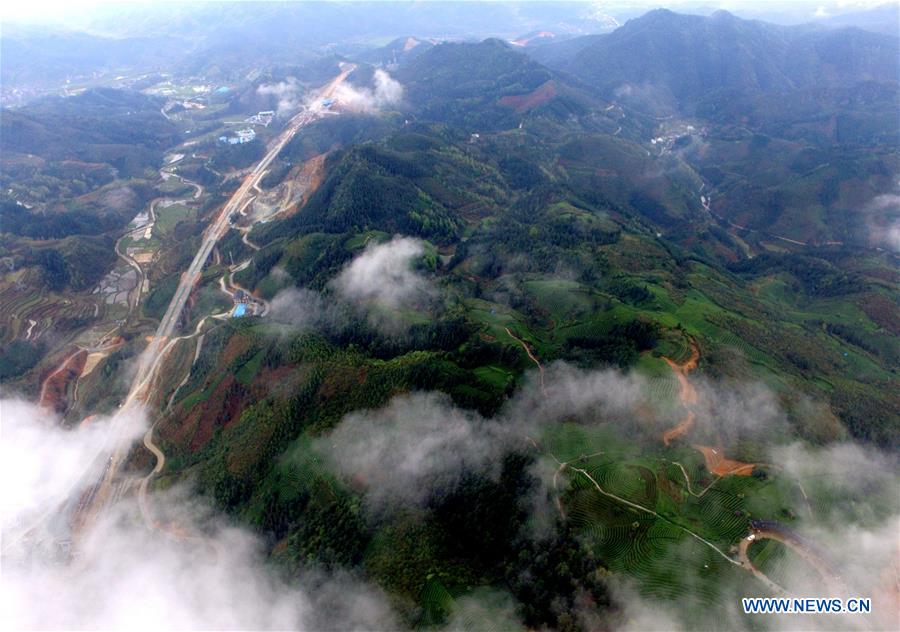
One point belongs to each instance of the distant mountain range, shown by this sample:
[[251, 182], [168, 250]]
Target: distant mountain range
[[670, 58], [884, 18]]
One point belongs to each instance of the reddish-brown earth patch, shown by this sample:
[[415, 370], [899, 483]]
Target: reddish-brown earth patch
[[222, 409], [235, 347], [687, 393], [54, 389], [721, 466], [307, 178], [716, 462], [524, 102], [882, 310]]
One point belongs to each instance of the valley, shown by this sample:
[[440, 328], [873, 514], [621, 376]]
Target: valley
[[585, 325]]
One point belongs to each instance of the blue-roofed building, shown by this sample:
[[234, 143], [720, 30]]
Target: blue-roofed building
[[239, 310]]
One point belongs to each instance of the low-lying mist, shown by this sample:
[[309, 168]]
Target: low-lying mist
[[190, 569]]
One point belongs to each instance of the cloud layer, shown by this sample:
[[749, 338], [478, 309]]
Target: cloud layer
[[377, 282], [42, 464], [416, 444], [289, 94], [421, 443], [383, 275], [386, 92], [191, 571]]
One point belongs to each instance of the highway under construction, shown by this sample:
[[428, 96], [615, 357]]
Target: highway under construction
[[83, 507]]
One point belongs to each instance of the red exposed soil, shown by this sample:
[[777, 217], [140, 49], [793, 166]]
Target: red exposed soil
[[235, 347], [224, 406], [55, 386], [524, 41], [194, 428], [716, 462], [222, 409], [280, 547], [308, 177], [687, 394], [311, 175], [340, 383], [523, 102], [668, 487], [721, 466], [882, 310]]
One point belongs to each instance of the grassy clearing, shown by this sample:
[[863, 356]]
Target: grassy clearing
[[494, 317], [249, 370], [168, 217], [495, 375], [564, 299]]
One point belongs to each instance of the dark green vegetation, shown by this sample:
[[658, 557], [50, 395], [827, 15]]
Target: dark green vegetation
[[592, 251], [793, 129], [121, 129], [74, 174], [551, 224], [684, 58], [18, 357]]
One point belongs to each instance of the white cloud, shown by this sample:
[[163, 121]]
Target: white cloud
[[378, 280], [192, 571], [416, 444], [387, 91], [383, 274], [422, 443], [303, 309], [884, 220], [43, 464], [289, 93]]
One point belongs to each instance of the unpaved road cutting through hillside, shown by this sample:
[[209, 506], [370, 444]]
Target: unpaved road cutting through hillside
[[65, 366], [151, 359], [765, 530], [687, 393], [530, 355], [716, 462]]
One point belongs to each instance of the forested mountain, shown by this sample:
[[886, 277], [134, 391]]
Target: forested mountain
[[398, 51], [677, 59], [41, 57], [225, 40], [102, 125], [593, 334]]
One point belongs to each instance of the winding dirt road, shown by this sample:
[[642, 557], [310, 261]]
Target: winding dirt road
[[767, 530], [715, 459], [687, 393], [530, 355]]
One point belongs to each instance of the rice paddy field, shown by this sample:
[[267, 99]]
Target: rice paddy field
[[45, 308]]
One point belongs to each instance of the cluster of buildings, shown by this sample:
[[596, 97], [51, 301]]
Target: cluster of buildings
[[240, 137], [245, 305], [261, 118]]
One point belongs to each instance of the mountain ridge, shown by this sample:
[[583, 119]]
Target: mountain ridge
[[682, 56]]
